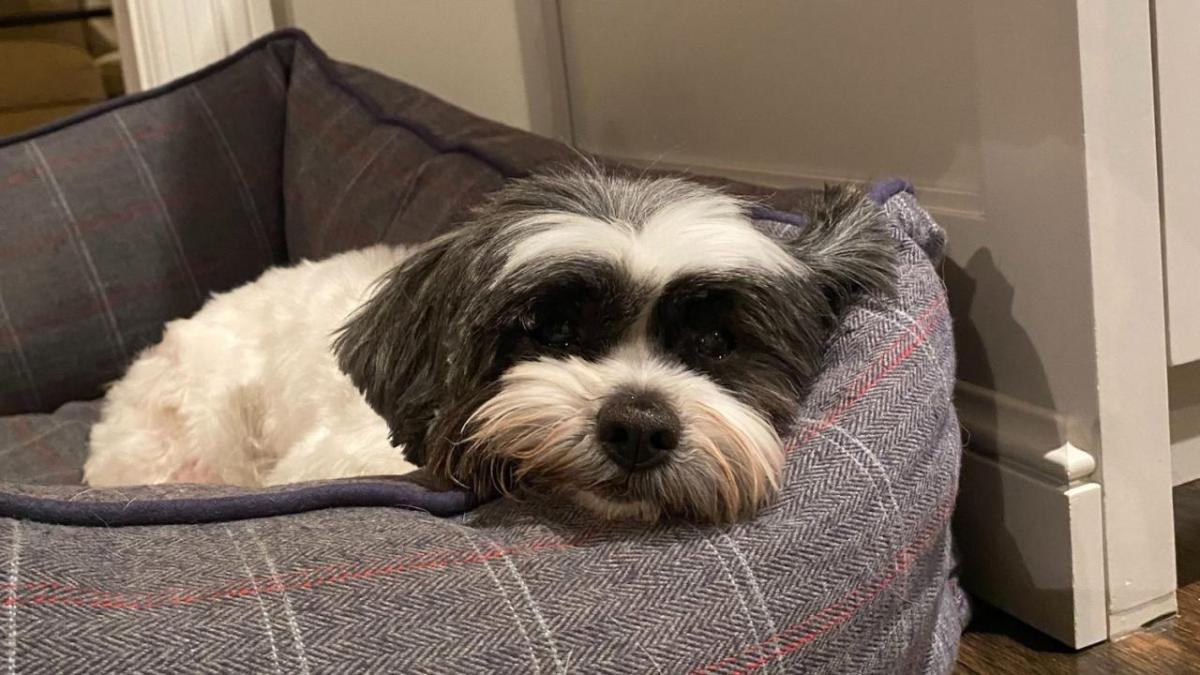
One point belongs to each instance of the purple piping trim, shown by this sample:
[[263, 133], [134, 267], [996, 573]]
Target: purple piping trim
[[192, 510], [879, 193], [130, 99], [886, 189]]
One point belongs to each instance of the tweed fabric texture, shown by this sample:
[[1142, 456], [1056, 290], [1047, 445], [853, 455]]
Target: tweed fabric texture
[[115, 224], [851, 571], [46, 449]]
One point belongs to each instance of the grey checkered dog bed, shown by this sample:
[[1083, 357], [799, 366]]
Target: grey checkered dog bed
[[126, 216]]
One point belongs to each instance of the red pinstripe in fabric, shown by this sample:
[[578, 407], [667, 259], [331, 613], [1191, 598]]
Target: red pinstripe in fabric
[[66, 313], [838, 613], [97, 222], [107, 147], [58, 593], [888, 366], [833, 615], [29, 437]]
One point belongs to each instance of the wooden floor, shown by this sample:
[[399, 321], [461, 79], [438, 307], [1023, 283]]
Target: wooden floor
[[995, 643]]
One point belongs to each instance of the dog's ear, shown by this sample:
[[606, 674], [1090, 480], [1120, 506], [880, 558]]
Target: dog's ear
[[846, 243], [394, 347]]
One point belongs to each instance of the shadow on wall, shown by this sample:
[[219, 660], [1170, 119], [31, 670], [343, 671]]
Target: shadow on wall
[[996, 565], [982, 285]]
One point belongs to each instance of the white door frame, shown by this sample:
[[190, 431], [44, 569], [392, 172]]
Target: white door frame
[[161, 40]]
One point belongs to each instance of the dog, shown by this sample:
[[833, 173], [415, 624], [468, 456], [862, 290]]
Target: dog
[[634, 344]]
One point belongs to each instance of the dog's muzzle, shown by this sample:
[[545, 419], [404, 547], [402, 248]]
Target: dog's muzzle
[[637, 429]]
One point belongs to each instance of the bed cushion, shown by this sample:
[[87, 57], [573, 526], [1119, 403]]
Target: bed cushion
[[46, 449], [851, 571]]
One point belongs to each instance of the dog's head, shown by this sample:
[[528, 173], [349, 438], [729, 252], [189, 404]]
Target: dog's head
[[636, 343]]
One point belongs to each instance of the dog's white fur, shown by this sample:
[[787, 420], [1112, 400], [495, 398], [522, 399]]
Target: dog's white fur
[[248, 392], [709, 233]]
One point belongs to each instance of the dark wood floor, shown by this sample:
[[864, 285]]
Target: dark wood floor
[[995, 643]]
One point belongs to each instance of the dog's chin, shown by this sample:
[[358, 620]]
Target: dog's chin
[[725, 466], [611, 508], [705, 485], [690, 486]]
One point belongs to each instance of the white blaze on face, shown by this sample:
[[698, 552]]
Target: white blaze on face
[[706, 233]]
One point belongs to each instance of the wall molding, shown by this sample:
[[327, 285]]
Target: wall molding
[[945, 204], [1017, 432], [539, 27]]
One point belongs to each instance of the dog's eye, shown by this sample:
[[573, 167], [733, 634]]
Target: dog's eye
[[714, 344], [556, 331]]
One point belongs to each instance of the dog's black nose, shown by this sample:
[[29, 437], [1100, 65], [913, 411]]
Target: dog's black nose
[[637, 430]]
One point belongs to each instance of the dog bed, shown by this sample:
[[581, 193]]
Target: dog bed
[[128, 215]]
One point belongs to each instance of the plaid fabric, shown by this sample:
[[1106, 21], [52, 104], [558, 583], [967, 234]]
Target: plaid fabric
[[123, 220], [42, 449], [851, 571]]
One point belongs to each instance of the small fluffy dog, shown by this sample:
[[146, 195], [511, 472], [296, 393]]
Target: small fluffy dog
[[636, 344]]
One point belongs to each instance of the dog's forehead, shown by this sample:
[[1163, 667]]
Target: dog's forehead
[[693, 234]]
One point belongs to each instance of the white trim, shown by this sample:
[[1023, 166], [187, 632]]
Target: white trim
[[539, 28], [162, 40], [1014, 431], [1125, 237], [1033, 549]]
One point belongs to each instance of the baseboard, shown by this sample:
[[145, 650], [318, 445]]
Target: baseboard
[[1129, 621], [1034, 549]]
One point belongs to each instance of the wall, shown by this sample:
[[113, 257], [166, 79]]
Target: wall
[[818, 89], [488, 57]]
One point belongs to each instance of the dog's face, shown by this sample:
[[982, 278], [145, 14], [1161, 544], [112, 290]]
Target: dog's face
[[635, 343]]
